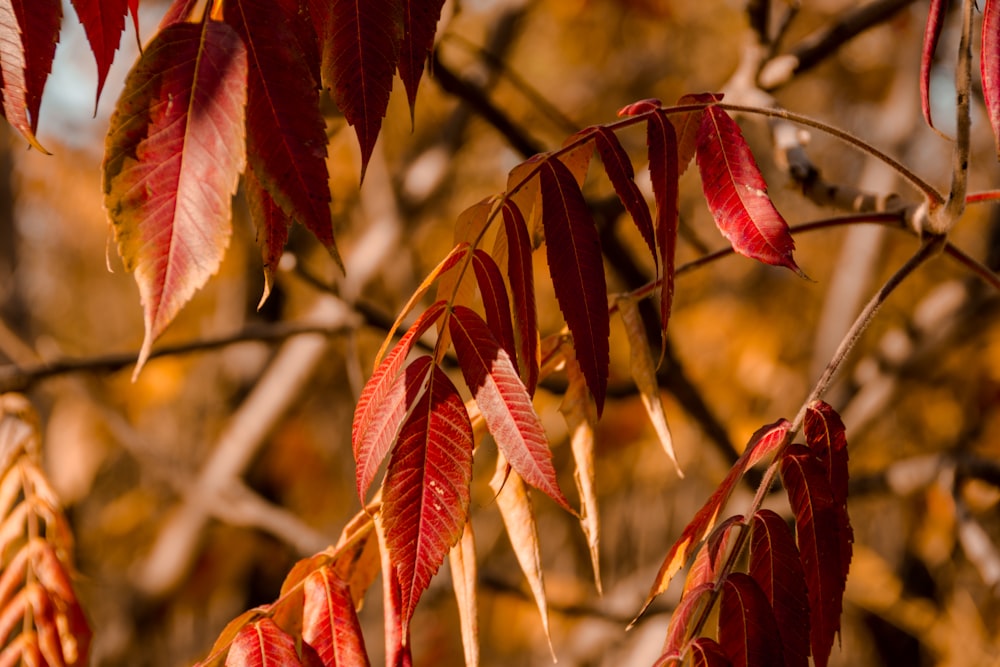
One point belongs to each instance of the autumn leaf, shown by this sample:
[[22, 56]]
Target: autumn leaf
[[663, 170], [29, 30], [103, 22], [262, 643], [826, 436], [710, 556], [329, 623], [520, 274], [748, 633], [397, 643], [420, 19], [706, 652], [174, 153], [692, 601], [932, 31], [425, 502], [686, 126], [360, 42], [496, 305], [640, 107], [775, 566], [504, 403], [272, 228], [989, 65], [574, 254], [285, 130], [737, 194], [462, 560], [819, 537]]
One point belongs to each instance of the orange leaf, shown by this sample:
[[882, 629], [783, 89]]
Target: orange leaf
[[261, 644], [462, 559]]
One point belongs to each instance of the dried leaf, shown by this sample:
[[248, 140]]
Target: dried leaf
[[173, 157], [737, 194], [330, 625], [462, 559], [574, 253], [260, 644], [748, 632], [504, 403]]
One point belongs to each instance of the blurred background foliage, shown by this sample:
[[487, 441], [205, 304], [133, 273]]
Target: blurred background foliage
[[919, 396]]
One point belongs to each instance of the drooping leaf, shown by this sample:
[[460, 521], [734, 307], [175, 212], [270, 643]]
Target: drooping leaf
[[818, 534], [577, 153], [644, 374], [286, 133], [686, 126], [360, 42], [692, 602], [748, 632], [495, 302], [384, 402], [397, 642], [178, 12], [220, 649], [775, 566], [765, 441], [578, 410], [173, 156], [706, 652], [103, 22], [618, 167], [504, 403], [29, 30], [989, 66], [520, 274], [425, 502], [420, 19], [519, 520], [663, 170], [737, 194], [462, 560], [932, 31], [711, 555], [329, 623], [261, 644], [524, 191], [826, 436], [272, 228], [133, 9], [574, 254]]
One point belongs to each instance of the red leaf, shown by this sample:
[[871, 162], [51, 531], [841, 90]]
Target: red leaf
[[272, 227], [262, 644], [932, 31], [173, 157], [680, 619], [520, 273], [383, 404], [574, 253], [706, 652], [748, 632], [989, 66], [420, 19], [686, 126], [286, 133], [329, 623], [819, 539], [133, 9], [663, 170], [29, 30], [765, 441], [397, 644], [425, 502], [775, 566], [504, 402], [709, 558], [640, 107], [360, 43], [737, 194], [826, 436], [103, 22], [618, 166], [495, 301]]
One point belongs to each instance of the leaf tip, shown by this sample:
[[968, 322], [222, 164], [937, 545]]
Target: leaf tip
[[640, 107]]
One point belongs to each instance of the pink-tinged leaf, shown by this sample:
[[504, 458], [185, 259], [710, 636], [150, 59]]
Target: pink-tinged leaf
[[618, 167], [272, 228], [29, 30], [711, 554], [495, 302], [360, 42], [737, 194], [932, 31], [520, 274], [692, 601], [640, 107], [286, 133], [748, 632], [425, 502], [819, 537], [397, 642], [504, 402], [262, 644], [686, 126], [174, 153], [663, 170], [707, 652], [383, 417], [775, 566], [462, 561], [764, 441], [180, 11], [989, 66], [826, 436], [574, 254], [420, 19], [103, 22], [518, 517], [329, 623]]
